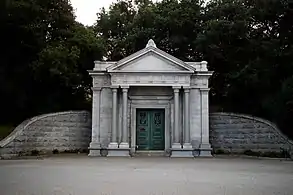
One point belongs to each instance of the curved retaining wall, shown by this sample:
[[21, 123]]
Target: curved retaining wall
[[72, 131], [237, 133], [62, 131]]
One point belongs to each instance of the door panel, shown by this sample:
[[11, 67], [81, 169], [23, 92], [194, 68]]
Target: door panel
[[143, 129], [157, 130], [150, 129]]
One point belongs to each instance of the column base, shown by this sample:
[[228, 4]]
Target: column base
[[176, 146], [187, 146], [94, 149], [205, 150], [182, 153], [113, 145], [124, 145], [119, 152], [94, 153]]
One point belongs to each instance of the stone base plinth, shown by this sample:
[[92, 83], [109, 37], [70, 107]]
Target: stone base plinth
[[205, 153], [124, 145], [187, 146], [176, 146], [94, 149], [95, 152], [122, 152], [181, 153], [113, 145], [205, 150]]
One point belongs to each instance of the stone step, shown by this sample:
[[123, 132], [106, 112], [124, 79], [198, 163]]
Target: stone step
[[150, 154]]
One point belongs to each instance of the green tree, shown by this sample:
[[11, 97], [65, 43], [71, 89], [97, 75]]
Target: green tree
[[46, 59], [247, 43]]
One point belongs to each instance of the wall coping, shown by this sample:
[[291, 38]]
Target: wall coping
[[274, 127], [20, 128]]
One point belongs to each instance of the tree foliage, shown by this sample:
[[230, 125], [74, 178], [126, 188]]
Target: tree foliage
[[248, 45], [45, 58]]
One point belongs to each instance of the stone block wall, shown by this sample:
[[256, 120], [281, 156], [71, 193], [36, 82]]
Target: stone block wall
[[62, 131], [72, 131], [237, 133]]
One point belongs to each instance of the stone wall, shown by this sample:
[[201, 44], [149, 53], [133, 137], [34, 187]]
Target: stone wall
[[237, 133], [62, 131], [72, 131]]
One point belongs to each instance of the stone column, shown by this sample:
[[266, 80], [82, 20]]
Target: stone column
[[176, 134], [187, 143], [195, 117], [124, 143], [113, 143], [205, 147], [95, 144]]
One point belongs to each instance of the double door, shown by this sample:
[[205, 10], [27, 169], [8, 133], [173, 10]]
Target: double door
[[150, 129]]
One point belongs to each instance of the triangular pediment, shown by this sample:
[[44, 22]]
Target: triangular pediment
[[151, 59]]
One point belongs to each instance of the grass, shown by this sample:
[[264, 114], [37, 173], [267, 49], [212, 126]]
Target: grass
[[5, 130]]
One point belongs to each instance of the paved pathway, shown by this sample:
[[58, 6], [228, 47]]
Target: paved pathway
[[145, 176]]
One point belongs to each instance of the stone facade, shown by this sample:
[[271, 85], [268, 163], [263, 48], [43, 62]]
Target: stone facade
[[237, 133], [61, 131], [150, 79]]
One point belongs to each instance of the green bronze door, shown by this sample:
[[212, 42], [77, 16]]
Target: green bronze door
[[150, 129]]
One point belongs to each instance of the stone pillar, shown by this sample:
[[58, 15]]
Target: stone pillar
[[195, 117], [205, 147], [176, 134], [186, 142], [113, 143], [95, 144], [124, 143]]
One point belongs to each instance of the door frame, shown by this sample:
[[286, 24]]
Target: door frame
[[150, 112], [161, 103]]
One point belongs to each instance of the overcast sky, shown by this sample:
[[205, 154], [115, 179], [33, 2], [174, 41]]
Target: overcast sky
[[85, 10]]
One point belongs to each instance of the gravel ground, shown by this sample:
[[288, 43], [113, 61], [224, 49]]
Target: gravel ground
[[81, 175]]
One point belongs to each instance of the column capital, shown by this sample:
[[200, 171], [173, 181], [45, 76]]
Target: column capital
[[124, 86], [114, 86], [124, 90], [96, 88], [186, 90], [176, 87], [176, 90], [204, 89]]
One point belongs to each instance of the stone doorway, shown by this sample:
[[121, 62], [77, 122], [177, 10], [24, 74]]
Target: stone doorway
[[150, 129]]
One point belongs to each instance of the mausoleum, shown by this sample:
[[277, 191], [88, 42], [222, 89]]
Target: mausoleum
[[150, 101]]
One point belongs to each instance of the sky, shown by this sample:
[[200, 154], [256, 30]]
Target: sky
[[85, 10]]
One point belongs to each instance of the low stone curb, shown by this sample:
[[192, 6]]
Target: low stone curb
[[42, 157], [250, 157], [22, 157]]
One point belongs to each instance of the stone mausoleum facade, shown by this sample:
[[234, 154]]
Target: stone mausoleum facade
[[150, 101]]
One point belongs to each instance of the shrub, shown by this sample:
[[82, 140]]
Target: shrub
[[55, 151], [251, 153], [220, 151], [85, 151], [35, 152]]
